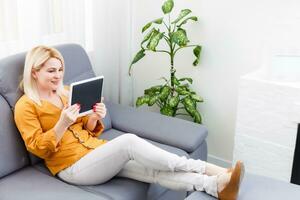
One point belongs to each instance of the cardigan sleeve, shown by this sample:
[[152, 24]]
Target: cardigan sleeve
[[97, 130], [36, 141]]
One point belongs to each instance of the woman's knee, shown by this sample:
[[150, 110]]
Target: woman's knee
[[129, 136]]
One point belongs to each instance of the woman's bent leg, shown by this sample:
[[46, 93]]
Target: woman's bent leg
[[185, 181], [106, 161], [154, 157]]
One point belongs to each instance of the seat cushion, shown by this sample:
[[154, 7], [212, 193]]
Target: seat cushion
[[117, 188], [259, 188], [122, 188], [32, 184]]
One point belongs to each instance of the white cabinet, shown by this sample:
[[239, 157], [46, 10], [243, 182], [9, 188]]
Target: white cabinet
[[268, 114]]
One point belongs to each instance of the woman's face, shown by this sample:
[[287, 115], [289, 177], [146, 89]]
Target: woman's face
[[50, 75]]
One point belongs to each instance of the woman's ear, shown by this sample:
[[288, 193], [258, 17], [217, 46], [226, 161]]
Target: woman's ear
[[33, 73]]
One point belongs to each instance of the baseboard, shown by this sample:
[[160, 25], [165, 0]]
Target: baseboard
[[218, 161]]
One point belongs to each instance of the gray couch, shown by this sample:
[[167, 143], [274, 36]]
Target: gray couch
[[24, 176]]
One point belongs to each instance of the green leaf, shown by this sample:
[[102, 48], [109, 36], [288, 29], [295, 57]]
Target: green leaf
[[173, 101], [142, 100], [152, 100], [188, 79], [154, 41], [146, 26], [190, 106], [153, 90], [175, 80], [148, 36], [180, 37], [182, 14], [137, 57], [194, 18], [197, 117], [167, 110], [165, 91], [188, 101], [155, 33], [156, 21], [197, 51], [167, 6], [182, 90], [197, 98]]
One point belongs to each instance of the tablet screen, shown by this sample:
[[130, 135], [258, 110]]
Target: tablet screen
[[86, 93]]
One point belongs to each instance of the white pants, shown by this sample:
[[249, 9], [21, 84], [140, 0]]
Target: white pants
[[133, 157]]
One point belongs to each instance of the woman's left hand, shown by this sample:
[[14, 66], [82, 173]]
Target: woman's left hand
[[99, 110]]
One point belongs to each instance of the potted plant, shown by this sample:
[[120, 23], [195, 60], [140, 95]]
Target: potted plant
[[175, 95]]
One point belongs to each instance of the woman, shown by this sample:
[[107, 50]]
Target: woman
[[71, 149]]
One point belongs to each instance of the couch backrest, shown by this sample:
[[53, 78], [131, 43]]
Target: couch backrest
[[77, 67], [13, 154]]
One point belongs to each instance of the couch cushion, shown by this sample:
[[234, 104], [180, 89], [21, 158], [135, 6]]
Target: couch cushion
[[259, 188], [32, 184], [120, 189], [13, 154], [116, 186], [173, 131]]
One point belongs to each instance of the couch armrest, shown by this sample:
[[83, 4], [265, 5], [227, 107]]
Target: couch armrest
[[176, 132]]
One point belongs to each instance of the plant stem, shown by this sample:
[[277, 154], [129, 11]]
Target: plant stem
[[167, 40], [169, 23], [162, 51], [184, 47], [172, 70], [166, 25], [174, 27]]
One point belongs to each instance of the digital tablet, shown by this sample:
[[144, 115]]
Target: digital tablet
[[86, 92]]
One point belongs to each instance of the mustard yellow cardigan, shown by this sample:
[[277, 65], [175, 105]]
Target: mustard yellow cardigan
[[36, 123]]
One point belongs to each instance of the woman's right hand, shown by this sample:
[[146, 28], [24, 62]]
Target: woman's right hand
[[69, 115]]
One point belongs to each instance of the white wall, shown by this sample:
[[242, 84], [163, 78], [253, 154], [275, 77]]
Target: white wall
[[233, 34]]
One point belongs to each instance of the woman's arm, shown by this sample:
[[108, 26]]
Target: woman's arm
[[93, 123], [67, 117], [36, 140], [39, 142]]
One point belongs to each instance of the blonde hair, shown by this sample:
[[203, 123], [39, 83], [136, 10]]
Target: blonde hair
[[35, 59]]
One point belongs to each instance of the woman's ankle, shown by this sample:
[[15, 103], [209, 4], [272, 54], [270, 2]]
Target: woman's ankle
[[222, 180], [211, 169]]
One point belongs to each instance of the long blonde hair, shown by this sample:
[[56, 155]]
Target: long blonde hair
[[35, 59]]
